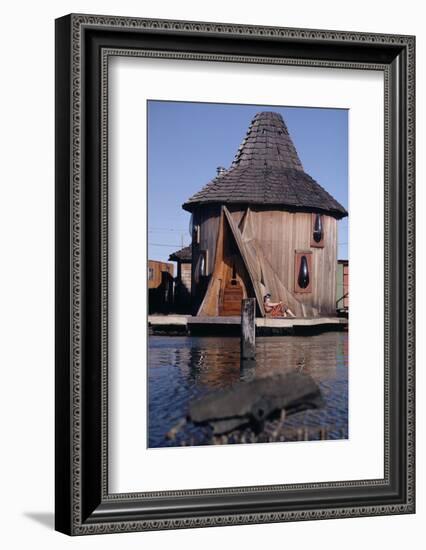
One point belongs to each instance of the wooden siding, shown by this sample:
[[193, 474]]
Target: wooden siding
[[346, 285], [157, 268], [182, 288], [160, 286], [280, 234], [275, 237], [185, 275], [229, 265], [208, 221], [342, 285], [315, 244]]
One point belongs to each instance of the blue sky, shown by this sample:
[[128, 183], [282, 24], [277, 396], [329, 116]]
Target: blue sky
[[188, 141]]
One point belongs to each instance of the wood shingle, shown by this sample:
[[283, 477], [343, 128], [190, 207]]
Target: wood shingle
[[182, 255], [267, 170]]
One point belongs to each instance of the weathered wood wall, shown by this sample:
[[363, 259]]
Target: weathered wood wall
[[226, 257], [208, 220], [157, 269], [185, 275], [160, 287], [279, 233], [182, 293], [342, 284]]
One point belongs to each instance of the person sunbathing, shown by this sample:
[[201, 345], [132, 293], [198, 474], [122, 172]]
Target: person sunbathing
[[276, 309]]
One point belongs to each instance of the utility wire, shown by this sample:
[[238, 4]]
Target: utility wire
[[163, 244], [156, 229]]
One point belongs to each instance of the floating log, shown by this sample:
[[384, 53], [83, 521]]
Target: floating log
[[251, 403]]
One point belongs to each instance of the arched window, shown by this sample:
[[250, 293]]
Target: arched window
[[303, 273], [317, 234]]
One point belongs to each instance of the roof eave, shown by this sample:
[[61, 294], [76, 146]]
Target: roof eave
[[335, 212]]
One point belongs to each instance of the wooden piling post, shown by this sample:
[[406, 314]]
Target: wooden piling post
[[248, 328]]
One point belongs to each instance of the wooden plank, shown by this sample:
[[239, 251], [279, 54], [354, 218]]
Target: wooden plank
[[248, 329], [248, 265], [236, 320], [209, 304], [272, 282], [232, 297], [214, 301], [268, 279]]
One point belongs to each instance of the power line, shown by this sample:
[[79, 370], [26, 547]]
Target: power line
[[154, 229], [163, 244]]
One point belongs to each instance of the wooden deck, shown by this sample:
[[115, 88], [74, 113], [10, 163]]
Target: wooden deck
[[264, 325]]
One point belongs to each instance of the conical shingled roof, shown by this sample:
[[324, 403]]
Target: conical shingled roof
[[267, 171]]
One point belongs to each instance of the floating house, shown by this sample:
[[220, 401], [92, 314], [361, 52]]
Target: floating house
[[160, 286], [182, 294], [342, 287], [264, 226]]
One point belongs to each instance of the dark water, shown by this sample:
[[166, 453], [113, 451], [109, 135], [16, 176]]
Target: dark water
[[183, 368]]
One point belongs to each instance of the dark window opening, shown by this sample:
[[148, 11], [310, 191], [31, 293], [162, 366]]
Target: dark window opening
[[318, 234], [203, 269], [194, 230], [303, 272], [317, 240], [303, 278]]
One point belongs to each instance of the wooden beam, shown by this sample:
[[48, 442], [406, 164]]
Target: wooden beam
[[248, 328]]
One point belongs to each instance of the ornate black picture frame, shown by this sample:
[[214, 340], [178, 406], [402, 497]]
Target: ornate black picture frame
[[83, 45]]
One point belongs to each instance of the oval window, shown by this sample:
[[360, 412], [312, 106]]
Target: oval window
[[303, 278]]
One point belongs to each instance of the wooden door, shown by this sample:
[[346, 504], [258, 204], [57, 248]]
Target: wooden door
[[232, 295]]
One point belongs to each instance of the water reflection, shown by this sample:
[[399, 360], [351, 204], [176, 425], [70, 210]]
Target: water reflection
[[181, 369]]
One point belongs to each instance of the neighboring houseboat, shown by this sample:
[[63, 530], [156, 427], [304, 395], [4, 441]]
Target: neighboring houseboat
[[342, 287], [160, 286], [182, 294], [264, 226]]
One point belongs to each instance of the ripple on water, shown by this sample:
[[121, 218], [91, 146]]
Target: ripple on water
[[181, 369]]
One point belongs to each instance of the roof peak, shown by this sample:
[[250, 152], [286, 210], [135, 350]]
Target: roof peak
[[267, 114], [268, 143], [267, 171]]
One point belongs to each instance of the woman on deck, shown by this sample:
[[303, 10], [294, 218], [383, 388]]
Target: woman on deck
[[276, 309]]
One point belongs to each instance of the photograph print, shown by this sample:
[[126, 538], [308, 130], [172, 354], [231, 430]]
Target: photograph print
[[248, 274]]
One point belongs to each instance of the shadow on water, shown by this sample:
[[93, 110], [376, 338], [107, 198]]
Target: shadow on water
[[183, 369]]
